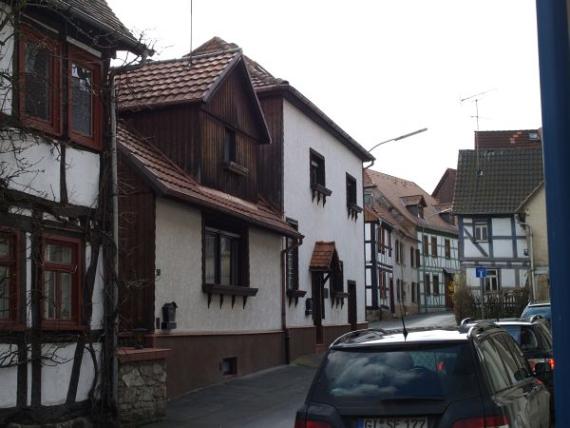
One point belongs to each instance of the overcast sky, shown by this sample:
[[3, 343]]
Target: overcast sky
[[379, 68]]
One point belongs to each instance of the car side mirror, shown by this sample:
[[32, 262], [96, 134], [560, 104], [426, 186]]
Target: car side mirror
[[541, 369]]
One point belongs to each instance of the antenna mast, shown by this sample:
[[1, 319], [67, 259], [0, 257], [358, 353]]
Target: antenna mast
[[191, 30], [475, 99]]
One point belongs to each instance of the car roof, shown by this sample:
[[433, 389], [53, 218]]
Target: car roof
[[379, 337], [538, 304]]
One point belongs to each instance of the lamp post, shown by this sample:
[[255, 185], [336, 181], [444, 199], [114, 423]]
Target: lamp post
[[401, 137]]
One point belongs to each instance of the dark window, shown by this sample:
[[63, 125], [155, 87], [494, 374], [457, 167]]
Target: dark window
[[412, 256], [398, 290], [229, 366], [350, 191], [382, 284], [434, 246], [436, 284], [8, 278], [492, 280], [427, 285], [447, 249], [292, 260], [418, 258], [222, 257], [381, 239], [61, 273], [402, 258], [514, 374], [337, 281], [364, 377], [317, 169], [397, 250], [480, 232], [426, 245], [229, 145], [40, 86], [413, 292], [389, 242], [492, 362]]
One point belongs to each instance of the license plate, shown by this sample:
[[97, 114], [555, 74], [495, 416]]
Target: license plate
[[393, 423]]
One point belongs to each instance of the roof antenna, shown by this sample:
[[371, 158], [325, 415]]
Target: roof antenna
[[191, 30]]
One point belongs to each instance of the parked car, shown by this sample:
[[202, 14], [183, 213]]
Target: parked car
[[468, 377], [541, 309]]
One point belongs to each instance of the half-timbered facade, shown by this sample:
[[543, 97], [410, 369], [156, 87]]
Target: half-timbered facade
[[316, 171], [426, 279], [56, 247], [198, 231], [491, 190]]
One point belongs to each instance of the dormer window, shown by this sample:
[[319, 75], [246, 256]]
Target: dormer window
[[229, 145], [317, 177], [352, 207]]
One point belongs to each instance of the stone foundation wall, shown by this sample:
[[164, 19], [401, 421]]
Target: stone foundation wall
[[142, 391]]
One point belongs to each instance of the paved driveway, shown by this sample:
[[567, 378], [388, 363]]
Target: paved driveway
[[265, 399]]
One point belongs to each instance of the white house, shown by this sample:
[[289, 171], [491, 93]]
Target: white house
[[55, 197]]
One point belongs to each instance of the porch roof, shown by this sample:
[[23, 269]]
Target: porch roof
[[323, 256]]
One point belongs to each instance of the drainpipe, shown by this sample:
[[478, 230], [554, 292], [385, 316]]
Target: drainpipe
[[284, 297], [115, 203], [528, 231]]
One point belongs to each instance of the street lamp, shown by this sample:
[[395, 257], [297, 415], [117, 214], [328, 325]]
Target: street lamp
[[401, 137]]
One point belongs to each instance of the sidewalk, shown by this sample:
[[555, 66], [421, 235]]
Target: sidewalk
[[269, 398]]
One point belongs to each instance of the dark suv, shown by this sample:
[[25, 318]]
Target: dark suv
[[474, 376]]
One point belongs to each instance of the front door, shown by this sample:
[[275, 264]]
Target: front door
[[352, 304], [318, 305]]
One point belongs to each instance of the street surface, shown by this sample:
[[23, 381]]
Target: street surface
[[265, 399]]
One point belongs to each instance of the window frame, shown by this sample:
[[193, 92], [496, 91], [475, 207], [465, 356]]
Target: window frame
[[52, 126], [434, 246], [93, 64], [351, 195], [78, 256], [425, 245], [483, 226], [447, 244], [13, 263], [496, 277], [435, 284], [235, 277], [315, 180], [427, 284], [397, 251]]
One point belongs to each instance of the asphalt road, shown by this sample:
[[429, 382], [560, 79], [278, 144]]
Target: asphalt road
[[265, 399]]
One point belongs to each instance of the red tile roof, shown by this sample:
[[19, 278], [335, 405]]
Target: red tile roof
[[443, 192], [323, 256], [509, 139], [170, 180]]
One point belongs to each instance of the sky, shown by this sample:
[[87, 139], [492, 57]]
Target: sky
[[379, 69]]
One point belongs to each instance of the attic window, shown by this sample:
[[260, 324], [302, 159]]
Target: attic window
[[533, 136], [317, 177], [230, 145], [352, 207]]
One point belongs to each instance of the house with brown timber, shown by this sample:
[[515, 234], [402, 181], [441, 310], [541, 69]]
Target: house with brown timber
[[199, 229]]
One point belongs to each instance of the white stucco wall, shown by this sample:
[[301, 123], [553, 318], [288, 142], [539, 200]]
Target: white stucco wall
[[179, 258], [536, 218], [82, 177], [318, 222]]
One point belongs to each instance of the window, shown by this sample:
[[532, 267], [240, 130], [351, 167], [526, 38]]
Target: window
[[229, 145], [292, 260], [491, 360], [427, 285], [43, 80], [436, 284], [413, 292], [317, 170], [350, 190], [398, 290], [402, 260], [447, 243], [426, 245], [61, 273], [397, 250], [337, 281], [222, 257], [412, 256], [492, 280], [8, 278], [381, 240], [480, 232], [418, 258], [382, 284], [40, 81], [389, 242], [434, 246]]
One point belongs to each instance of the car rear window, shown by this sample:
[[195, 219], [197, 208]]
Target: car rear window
[[432, 372], [543, 311], [525, 336]]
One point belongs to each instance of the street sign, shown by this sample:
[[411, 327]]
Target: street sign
[[480, 272]]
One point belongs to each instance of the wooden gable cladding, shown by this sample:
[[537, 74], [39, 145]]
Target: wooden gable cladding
[[137, 249], [214, 172], [270, 156]]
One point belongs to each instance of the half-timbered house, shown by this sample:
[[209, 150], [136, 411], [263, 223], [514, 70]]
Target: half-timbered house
[[199, 232], [492, 189], [434, 242], [56, 246], [316, 181]]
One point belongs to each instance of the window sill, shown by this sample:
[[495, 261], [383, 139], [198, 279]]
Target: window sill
[[353, 211], [337, 298], [295, 294], [236, 168], [320, 192], [228, 290]]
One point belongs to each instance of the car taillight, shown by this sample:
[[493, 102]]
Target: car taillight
[[551, 363], [299, 423], [534, 361], [488, 422]]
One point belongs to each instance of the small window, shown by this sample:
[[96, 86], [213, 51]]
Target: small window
[[229, 145], [402, 258], [350, 190], [480, 232], [425, 242], [398, 290], [317, 170], [381, 239], [229, 366], [418, 258], [436, 284], [413, 292], [292, 260], [412, 256], [337, 280], [492, 280], [434, 246], [427, 285], [8, 278], [222, 257], [397, 250], [447, 249], [61, 274]]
